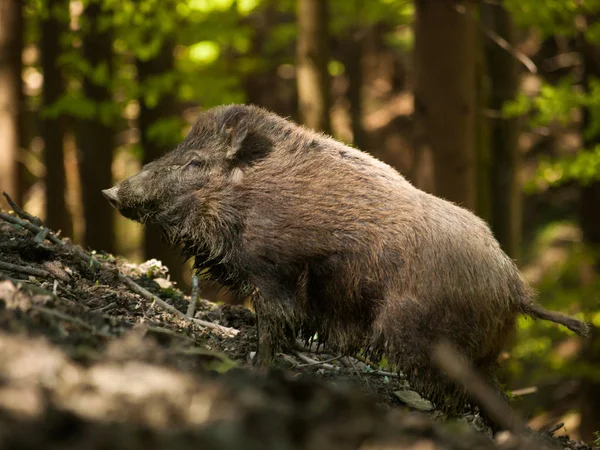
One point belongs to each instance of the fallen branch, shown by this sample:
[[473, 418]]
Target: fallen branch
[[550, 431], [311, 361], [26, 270], [524, 391], [499, 40], [195, 294], [317, 362], [382, 373], [33, 219], [160, 302]]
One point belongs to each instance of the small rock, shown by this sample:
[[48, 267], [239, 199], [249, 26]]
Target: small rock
[[414, 400], [163, 283]]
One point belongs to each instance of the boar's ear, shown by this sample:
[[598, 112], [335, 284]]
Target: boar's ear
[[244, 145], [236, 129]]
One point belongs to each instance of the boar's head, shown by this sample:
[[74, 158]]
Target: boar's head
[[193, 192]]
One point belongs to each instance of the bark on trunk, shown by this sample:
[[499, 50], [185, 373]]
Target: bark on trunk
[[445, 70], [11, 30], [589, 218], [312, 60], [503, 70], [96, 140], [57, 214], [154, 246], [353, 59]]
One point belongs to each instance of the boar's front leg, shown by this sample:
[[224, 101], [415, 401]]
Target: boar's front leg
[[275, 326]]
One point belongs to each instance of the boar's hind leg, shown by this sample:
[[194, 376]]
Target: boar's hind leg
[[274, 328]]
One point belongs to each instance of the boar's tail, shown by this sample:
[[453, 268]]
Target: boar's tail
[[536, 311]]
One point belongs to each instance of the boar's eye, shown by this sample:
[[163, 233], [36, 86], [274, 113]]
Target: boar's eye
[[194, 163]]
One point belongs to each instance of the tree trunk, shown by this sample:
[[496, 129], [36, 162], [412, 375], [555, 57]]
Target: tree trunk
[[52, 129], [503, 70], [312, 55], [353, 49], [11, 45], [484, 144], [265, 86], [96, 139], [444, 95], [154, 246], [589, 218]]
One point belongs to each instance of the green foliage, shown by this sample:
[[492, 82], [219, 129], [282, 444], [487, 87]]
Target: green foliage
[[534, 355], [552, 17], [582, 167], [213, 44], [166, 132], [357, 13], [559, 103], [553, 103]]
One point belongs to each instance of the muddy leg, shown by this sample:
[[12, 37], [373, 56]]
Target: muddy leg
[[266, 348], [274, 329]]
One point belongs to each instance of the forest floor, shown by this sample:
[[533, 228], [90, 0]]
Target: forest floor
[[99, 353]]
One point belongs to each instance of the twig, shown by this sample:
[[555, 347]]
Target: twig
[[104, 308], [452, 362], [382, 373], [315, 362], [33, 219], [308, 360], [288, 358], [160, 302], [524, 391], [27, 270], [149, 295], [228, 331], [554, 429], [500, 41], [42, 235], [354, 367], [195, 294]]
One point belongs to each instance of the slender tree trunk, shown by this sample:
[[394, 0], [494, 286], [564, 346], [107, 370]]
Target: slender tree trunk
[[353, 61], [312, 61], [266, 87], [11, 31], [52, 129], [589, 218], [445, 70], [504, 82], [484, 144], [154, 245], [96, 139]]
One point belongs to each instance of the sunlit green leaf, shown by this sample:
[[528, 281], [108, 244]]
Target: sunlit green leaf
[[205, 52]]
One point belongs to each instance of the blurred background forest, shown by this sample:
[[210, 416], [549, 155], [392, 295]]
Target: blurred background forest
[[493, 104]]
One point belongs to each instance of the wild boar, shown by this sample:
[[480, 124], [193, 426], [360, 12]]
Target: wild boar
[[328, 240]]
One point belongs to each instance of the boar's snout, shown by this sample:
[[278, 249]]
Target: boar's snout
[[112, 196]]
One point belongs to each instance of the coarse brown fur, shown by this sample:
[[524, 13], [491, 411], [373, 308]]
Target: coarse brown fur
[[329, 240]]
